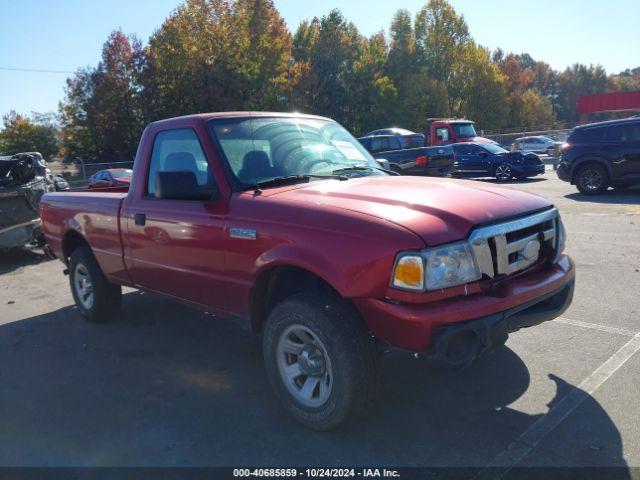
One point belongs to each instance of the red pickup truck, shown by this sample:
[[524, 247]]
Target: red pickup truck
[[444, 131], [286, 223]]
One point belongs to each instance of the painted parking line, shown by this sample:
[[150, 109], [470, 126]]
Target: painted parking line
[[530, 439], [595, 326]]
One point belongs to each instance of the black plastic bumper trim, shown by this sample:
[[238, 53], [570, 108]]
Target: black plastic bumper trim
[[493, 330]]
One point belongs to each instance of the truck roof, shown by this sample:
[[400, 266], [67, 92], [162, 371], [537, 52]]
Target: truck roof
[[213, 115], [450, 120]]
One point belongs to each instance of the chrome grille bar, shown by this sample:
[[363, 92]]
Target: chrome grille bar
[[496, 255]]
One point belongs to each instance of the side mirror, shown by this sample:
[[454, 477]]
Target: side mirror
[[180, 186]]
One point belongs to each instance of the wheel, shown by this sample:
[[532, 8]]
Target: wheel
[[96, 298], [503, 172], [320, 359], [592, 179]]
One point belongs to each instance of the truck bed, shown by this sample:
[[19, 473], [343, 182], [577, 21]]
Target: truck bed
[[439, 160], [96, 215]]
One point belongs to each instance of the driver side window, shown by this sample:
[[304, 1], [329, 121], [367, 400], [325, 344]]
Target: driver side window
[[178, 150], [442, 133]]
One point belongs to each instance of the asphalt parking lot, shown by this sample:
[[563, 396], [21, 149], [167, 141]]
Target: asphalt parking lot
[[167, 385]]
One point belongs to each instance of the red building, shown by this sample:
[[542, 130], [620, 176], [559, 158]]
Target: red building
[[608, 102]]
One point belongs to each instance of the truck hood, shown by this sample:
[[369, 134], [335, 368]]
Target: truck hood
[[436, 209]]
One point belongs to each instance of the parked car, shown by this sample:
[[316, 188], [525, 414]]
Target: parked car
[[600, 155], [285, 223], [112, 177], [59, 183], [485, 159], [431, 161], [537, 144], [445, 131], [406, 138], [23, 182]]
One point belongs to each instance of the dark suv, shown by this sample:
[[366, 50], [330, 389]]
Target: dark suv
[[600, 155]]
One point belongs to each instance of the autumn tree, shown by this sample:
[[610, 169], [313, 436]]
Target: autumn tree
[[101, 113], [216, 55], [23, 134]]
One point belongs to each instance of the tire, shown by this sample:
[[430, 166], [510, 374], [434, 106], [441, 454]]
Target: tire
[[97, 299], [334, 377], [592, 179], [503, 172]]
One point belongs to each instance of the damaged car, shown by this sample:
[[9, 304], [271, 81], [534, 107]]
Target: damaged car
[[23, 182]]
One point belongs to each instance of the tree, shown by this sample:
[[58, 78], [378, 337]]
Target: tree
[[579, 80], [217, 55], [101, 114], [484, 96], [21, 134], [442, 40]]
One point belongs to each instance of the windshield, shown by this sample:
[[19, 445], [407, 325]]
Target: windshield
[[121, 173], [263, 148], [495, 149], [464, 130]]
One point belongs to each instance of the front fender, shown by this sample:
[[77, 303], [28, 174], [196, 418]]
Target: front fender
[[305, 258]]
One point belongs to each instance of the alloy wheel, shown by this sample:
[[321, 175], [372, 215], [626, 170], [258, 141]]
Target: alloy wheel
[[304, 365], [503, 172], [83, 286], [591, 180]]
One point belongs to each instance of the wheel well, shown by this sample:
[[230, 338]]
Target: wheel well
[[72, 240], [278, 283], [581, 164]]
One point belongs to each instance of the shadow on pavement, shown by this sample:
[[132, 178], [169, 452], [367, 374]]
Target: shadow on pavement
[[513, 180], [630, 196], [166, 385], [15, 258]]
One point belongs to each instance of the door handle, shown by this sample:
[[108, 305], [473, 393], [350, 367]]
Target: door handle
[[140, 218]]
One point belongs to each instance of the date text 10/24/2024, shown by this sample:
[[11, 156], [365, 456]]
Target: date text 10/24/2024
[[316, 472]]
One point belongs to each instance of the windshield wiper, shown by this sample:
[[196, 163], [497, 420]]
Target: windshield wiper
[[360, 168], [292, 179]]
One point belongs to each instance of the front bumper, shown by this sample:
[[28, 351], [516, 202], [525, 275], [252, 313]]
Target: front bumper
[[415, 326], [563, 172], [459, 344]]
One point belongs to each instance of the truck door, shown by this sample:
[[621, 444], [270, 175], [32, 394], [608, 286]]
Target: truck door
[[176, 247], [442, 135]]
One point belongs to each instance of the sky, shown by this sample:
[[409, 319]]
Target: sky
[[63, 35]]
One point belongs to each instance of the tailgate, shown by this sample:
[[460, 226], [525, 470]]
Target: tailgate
[[19, 203]]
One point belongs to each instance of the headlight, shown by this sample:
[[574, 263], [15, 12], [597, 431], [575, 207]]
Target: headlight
[[450, 265], [436, 268], [562, 236]]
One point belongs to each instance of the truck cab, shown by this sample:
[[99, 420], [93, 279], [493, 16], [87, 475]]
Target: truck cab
[[444, 131]]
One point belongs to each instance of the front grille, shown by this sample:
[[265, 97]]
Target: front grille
[[532, 161], [509, 247]]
